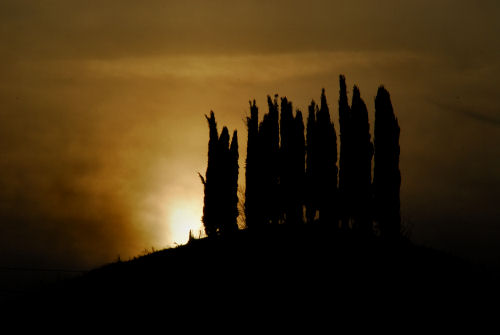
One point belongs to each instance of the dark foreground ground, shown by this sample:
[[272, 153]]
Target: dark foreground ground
[[304, 270]]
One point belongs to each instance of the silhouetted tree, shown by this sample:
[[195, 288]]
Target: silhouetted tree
[[286, 177], [361, 152], [233, 211], [326, 164], [269, 200], [264, 171], [386, 176], [273, 162], [311, 191], [220, 209], [223, 182], [292, 154], [298, 169], [252, 173], [345, 189], [321, 165], [209, 218]]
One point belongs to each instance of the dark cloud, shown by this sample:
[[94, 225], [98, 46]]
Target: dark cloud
[[114, 29]]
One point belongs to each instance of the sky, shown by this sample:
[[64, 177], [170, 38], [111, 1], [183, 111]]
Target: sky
[[102, 103]]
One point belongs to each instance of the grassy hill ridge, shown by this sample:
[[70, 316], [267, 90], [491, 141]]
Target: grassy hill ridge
[[278, 267]]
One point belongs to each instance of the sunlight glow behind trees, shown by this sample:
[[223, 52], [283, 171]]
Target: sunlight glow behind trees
[[187, 216]]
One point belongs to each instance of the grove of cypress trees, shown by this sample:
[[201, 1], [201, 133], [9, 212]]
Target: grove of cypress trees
[[285, 170], [386, 176], [361, 157]]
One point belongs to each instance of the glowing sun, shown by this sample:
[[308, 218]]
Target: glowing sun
[[184, 216]]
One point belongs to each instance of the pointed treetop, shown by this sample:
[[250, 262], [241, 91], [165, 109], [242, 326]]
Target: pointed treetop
[[355, 93], [272, 102], [273, 107], [383, 95], [254, 113], [359, 110], [383, 102], [312, 107], [382, 91], [211, 123], [343, 106], [286, 108], [211, 118], [343, 86], [323, 113], [323, 99], [224, 137], [298, 115], [253, 106]]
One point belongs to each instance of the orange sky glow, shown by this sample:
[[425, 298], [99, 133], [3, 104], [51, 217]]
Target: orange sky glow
[[102, 104]]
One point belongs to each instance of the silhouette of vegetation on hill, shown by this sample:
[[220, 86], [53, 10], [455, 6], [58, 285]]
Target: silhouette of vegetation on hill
[[294, 178], [273, 269], [386, 177], [345, 162], [220, 209]]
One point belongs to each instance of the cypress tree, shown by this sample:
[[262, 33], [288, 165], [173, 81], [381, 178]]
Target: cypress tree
[[264, 174], [298, 168], [292, 160], [361, 158], [327, 164], [286, 176], [311, 192], [220, 208], [386, 177], [345, 190], [273, 160], [269, 200], [252, 174], [209, 218], [223, 182], [233, 184]]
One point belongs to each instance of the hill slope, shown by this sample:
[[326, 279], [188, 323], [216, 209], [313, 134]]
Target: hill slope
[[277, 268]]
